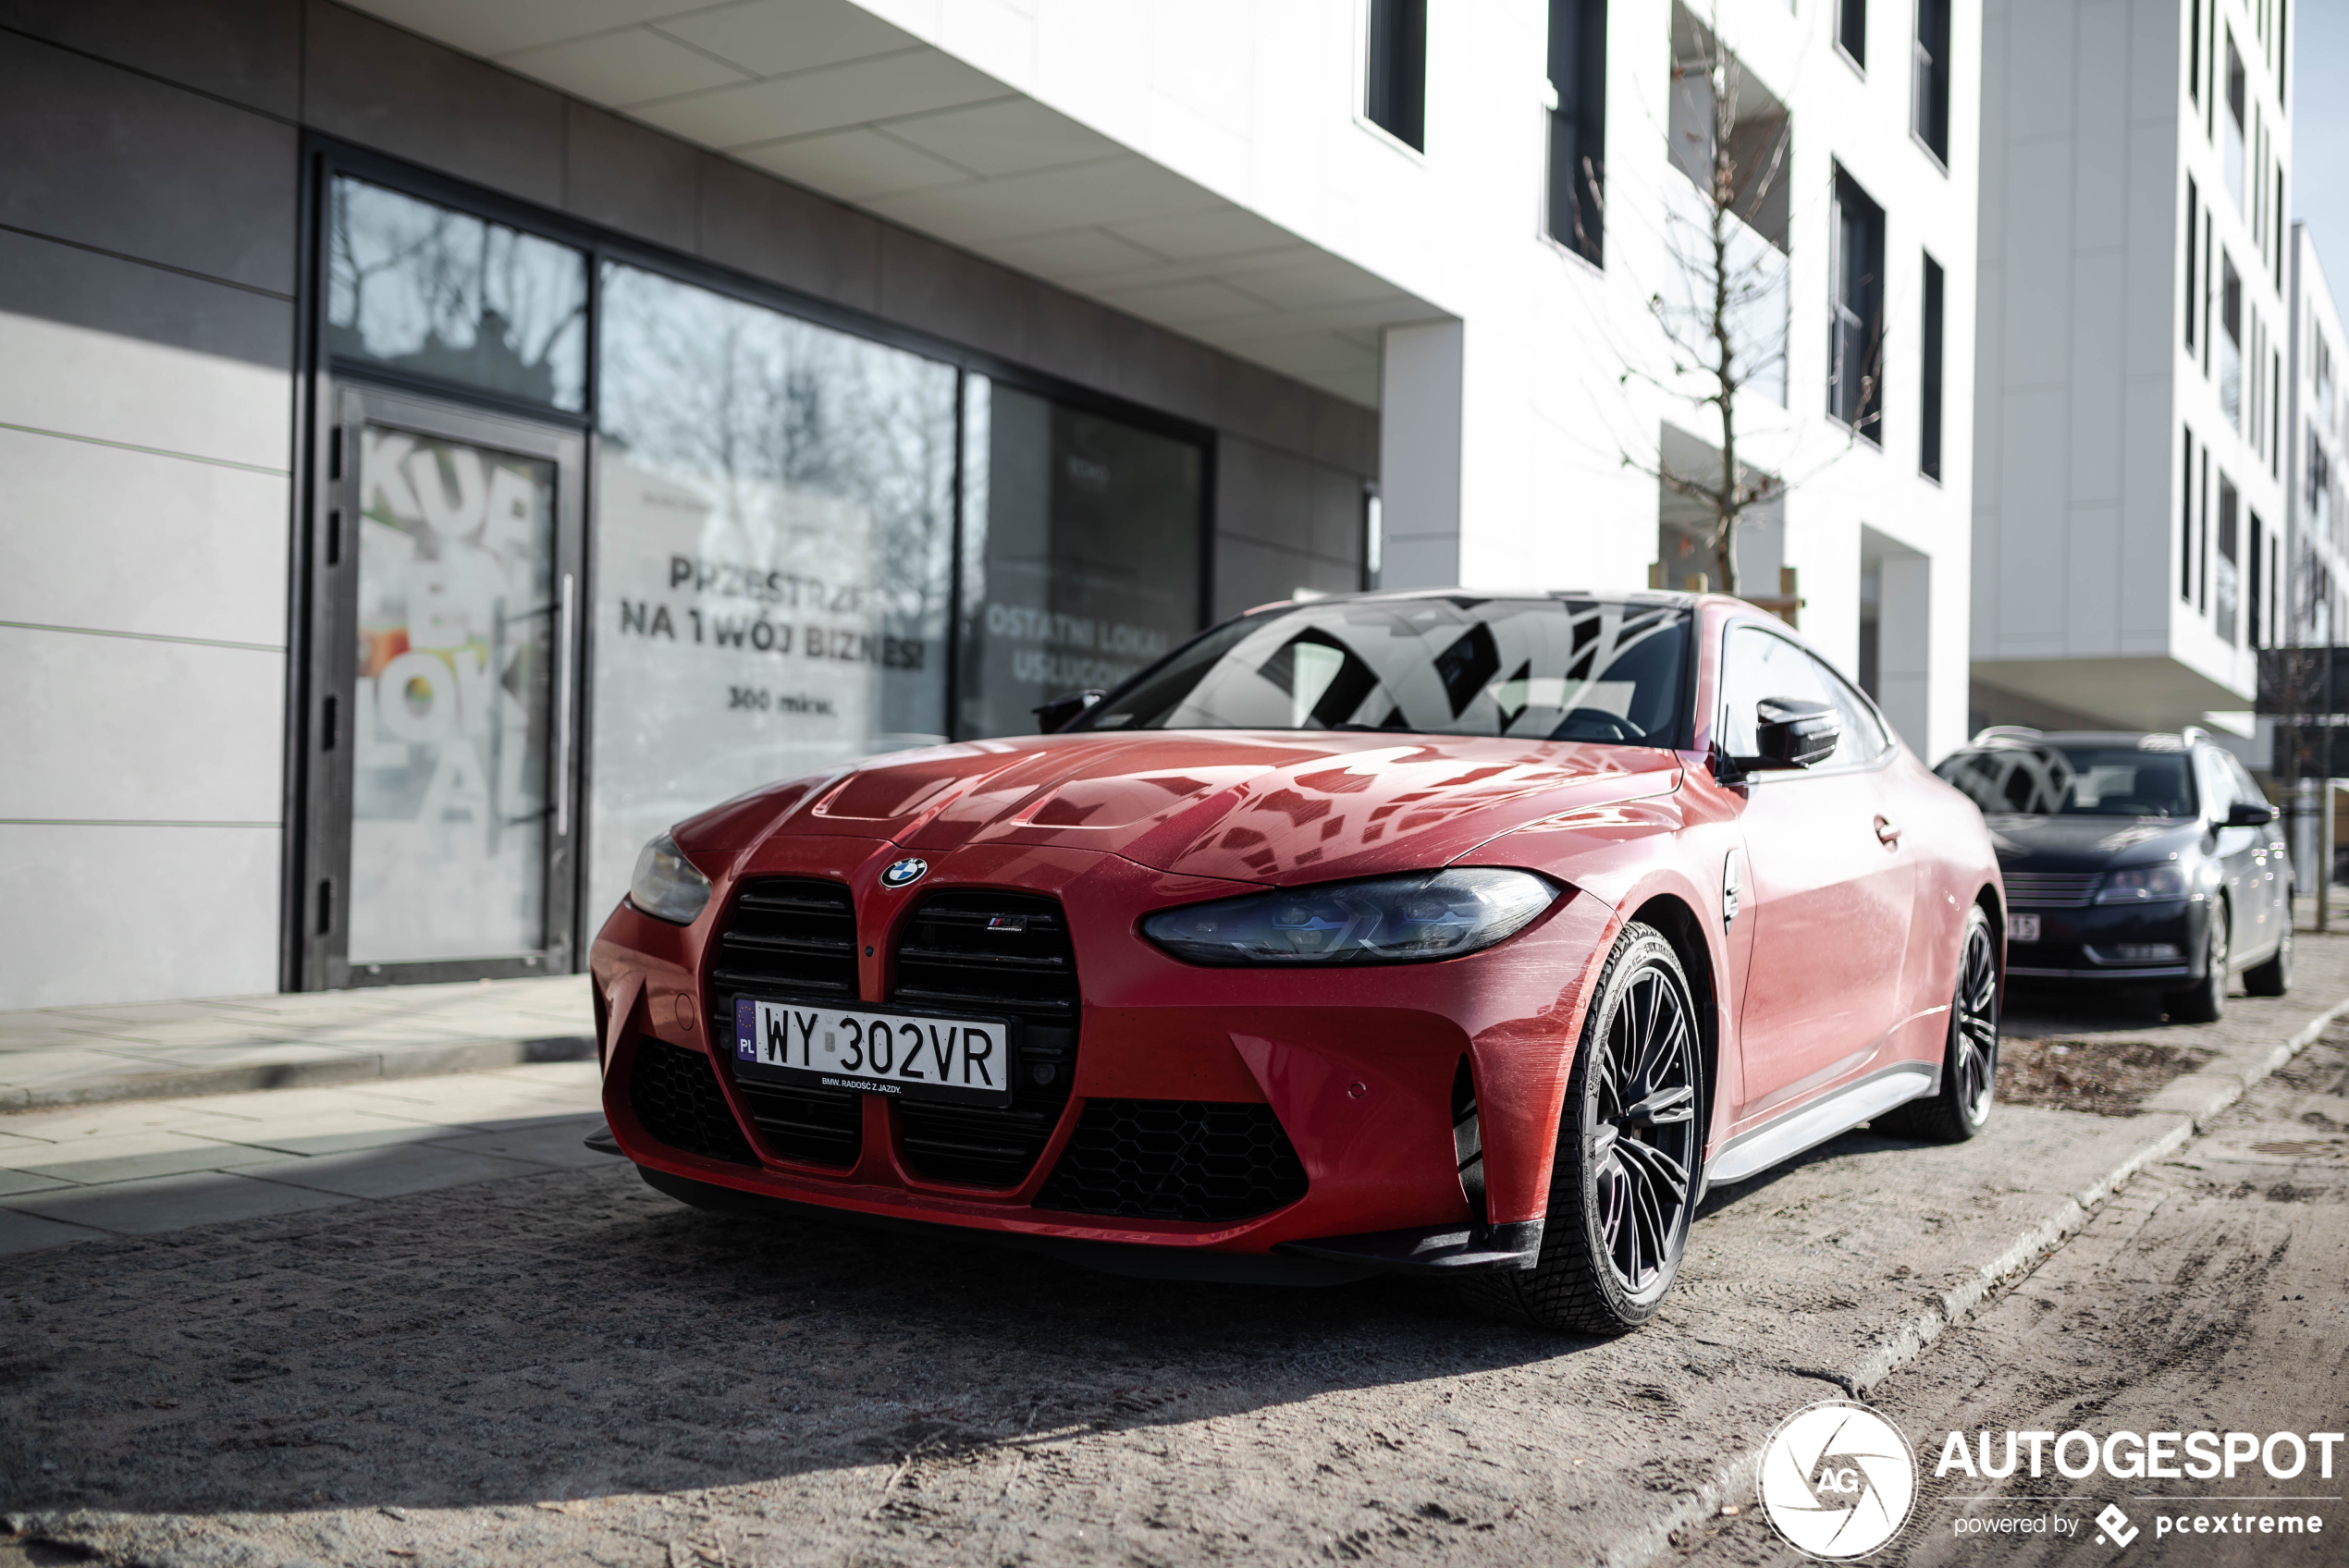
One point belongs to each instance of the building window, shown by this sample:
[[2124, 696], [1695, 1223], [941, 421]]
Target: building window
[[772, 550], [2194, 54], [1395, 96], [1855, 347], [2185, 526], [2228, 582], [1852, 29], [2230, 151], [1929, 397], [419, 289], [2231, 346], [2202, 542], [1929, 86], [2193, 200], [1578, 126], [1081, 552], [2255, 625]]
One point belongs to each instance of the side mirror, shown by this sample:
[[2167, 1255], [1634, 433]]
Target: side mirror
[[2250, 813], [1791, 732], [1060, 712]]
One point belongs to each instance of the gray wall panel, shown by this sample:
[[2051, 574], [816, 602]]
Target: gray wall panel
[[249, 51], [106, 158], [756, 224], [371, 83], [620, 175], [62, 283]]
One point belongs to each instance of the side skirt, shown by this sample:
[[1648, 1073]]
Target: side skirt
[[1757, 1149]]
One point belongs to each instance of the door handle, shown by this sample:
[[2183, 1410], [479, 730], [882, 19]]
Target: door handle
[[1888, 833]]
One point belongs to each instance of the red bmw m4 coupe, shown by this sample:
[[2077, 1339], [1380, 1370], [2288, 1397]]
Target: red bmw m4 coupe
[[1469, 935]]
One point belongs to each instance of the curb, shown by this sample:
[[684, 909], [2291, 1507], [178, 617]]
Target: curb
[[324, 1071], [2185, 1106]]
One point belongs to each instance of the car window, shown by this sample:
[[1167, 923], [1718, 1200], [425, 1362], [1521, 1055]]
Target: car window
[[2047, 780], [2247, 786], [2219, 794], [1757, 665], [1535, 669]]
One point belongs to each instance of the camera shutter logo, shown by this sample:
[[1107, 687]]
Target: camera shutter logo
[[1838, 1480]]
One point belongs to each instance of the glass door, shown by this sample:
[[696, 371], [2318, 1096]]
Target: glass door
[[442, 767]]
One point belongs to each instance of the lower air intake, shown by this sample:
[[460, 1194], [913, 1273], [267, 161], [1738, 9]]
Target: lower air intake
[[1175, 1159], [676, 1100]]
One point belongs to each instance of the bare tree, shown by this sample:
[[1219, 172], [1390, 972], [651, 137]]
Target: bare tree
[[1723, 310]]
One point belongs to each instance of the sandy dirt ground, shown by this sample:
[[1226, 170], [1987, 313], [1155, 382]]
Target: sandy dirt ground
[[568, 1367], [2208, 1295]]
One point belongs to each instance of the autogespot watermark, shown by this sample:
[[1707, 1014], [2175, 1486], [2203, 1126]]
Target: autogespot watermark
[[1839, 1481]]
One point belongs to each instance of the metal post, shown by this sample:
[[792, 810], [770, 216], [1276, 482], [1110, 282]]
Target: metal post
[[2324, 855]]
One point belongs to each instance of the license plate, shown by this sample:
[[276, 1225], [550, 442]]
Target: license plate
[[914, 1056], [2022, 928]]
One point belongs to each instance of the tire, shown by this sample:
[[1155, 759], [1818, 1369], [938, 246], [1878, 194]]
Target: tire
[[1617, 1228], [2273, 978], [1961, 1107], [2206, 1002]]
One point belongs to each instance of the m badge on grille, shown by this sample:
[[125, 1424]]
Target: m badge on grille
[[905, 872]]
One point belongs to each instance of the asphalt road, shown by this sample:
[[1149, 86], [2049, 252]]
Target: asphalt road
[[560, 1365]]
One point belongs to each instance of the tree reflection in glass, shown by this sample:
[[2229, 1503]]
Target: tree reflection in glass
[[773, 532], [416, 287]]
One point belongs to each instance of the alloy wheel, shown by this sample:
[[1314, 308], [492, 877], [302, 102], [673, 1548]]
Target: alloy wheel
[[1642, 1149], [1978, 1024]]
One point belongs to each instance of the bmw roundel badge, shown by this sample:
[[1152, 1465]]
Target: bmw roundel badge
[[903, 872]]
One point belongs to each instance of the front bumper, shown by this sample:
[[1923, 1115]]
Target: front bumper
[[1360, 1067], [2088, 944]]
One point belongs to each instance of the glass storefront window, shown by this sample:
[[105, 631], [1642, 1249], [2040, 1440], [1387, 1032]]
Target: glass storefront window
[[416, 287], [773, 553], [1081, 553]]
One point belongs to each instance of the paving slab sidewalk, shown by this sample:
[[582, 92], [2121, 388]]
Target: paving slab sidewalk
[[143, 1167], [66, 1055]]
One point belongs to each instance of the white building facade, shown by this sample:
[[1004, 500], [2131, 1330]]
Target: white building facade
[[447, 442], [2131, 507], [2317, 440]]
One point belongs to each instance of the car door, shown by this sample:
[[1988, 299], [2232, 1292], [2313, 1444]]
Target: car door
[[2267, 859], [1828, 883], [2240, 852]]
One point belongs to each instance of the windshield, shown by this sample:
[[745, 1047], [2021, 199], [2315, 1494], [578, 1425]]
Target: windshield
[[2074, 780], [1544, 669]]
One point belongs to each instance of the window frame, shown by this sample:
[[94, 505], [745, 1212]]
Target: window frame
[[321, 380]]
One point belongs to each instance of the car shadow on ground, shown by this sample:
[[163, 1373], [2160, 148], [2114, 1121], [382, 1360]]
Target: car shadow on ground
[[579, 1334]]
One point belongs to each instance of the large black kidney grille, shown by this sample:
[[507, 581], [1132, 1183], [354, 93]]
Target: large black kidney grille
[[791, 938], [1006, 954]]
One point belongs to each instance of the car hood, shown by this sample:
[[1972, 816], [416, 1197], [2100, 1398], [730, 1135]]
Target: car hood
[[1247, 805], [2088, 843]]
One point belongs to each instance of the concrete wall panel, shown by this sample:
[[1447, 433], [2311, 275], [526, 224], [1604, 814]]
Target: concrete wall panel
[[204, 922], [246, 51], [124, 541], [108, 159], [371, 83]]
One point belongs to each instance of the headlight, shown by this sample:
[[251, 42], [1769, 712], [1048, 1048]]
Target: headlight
[[666, 884], [2142, 885], [1389, 920]]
